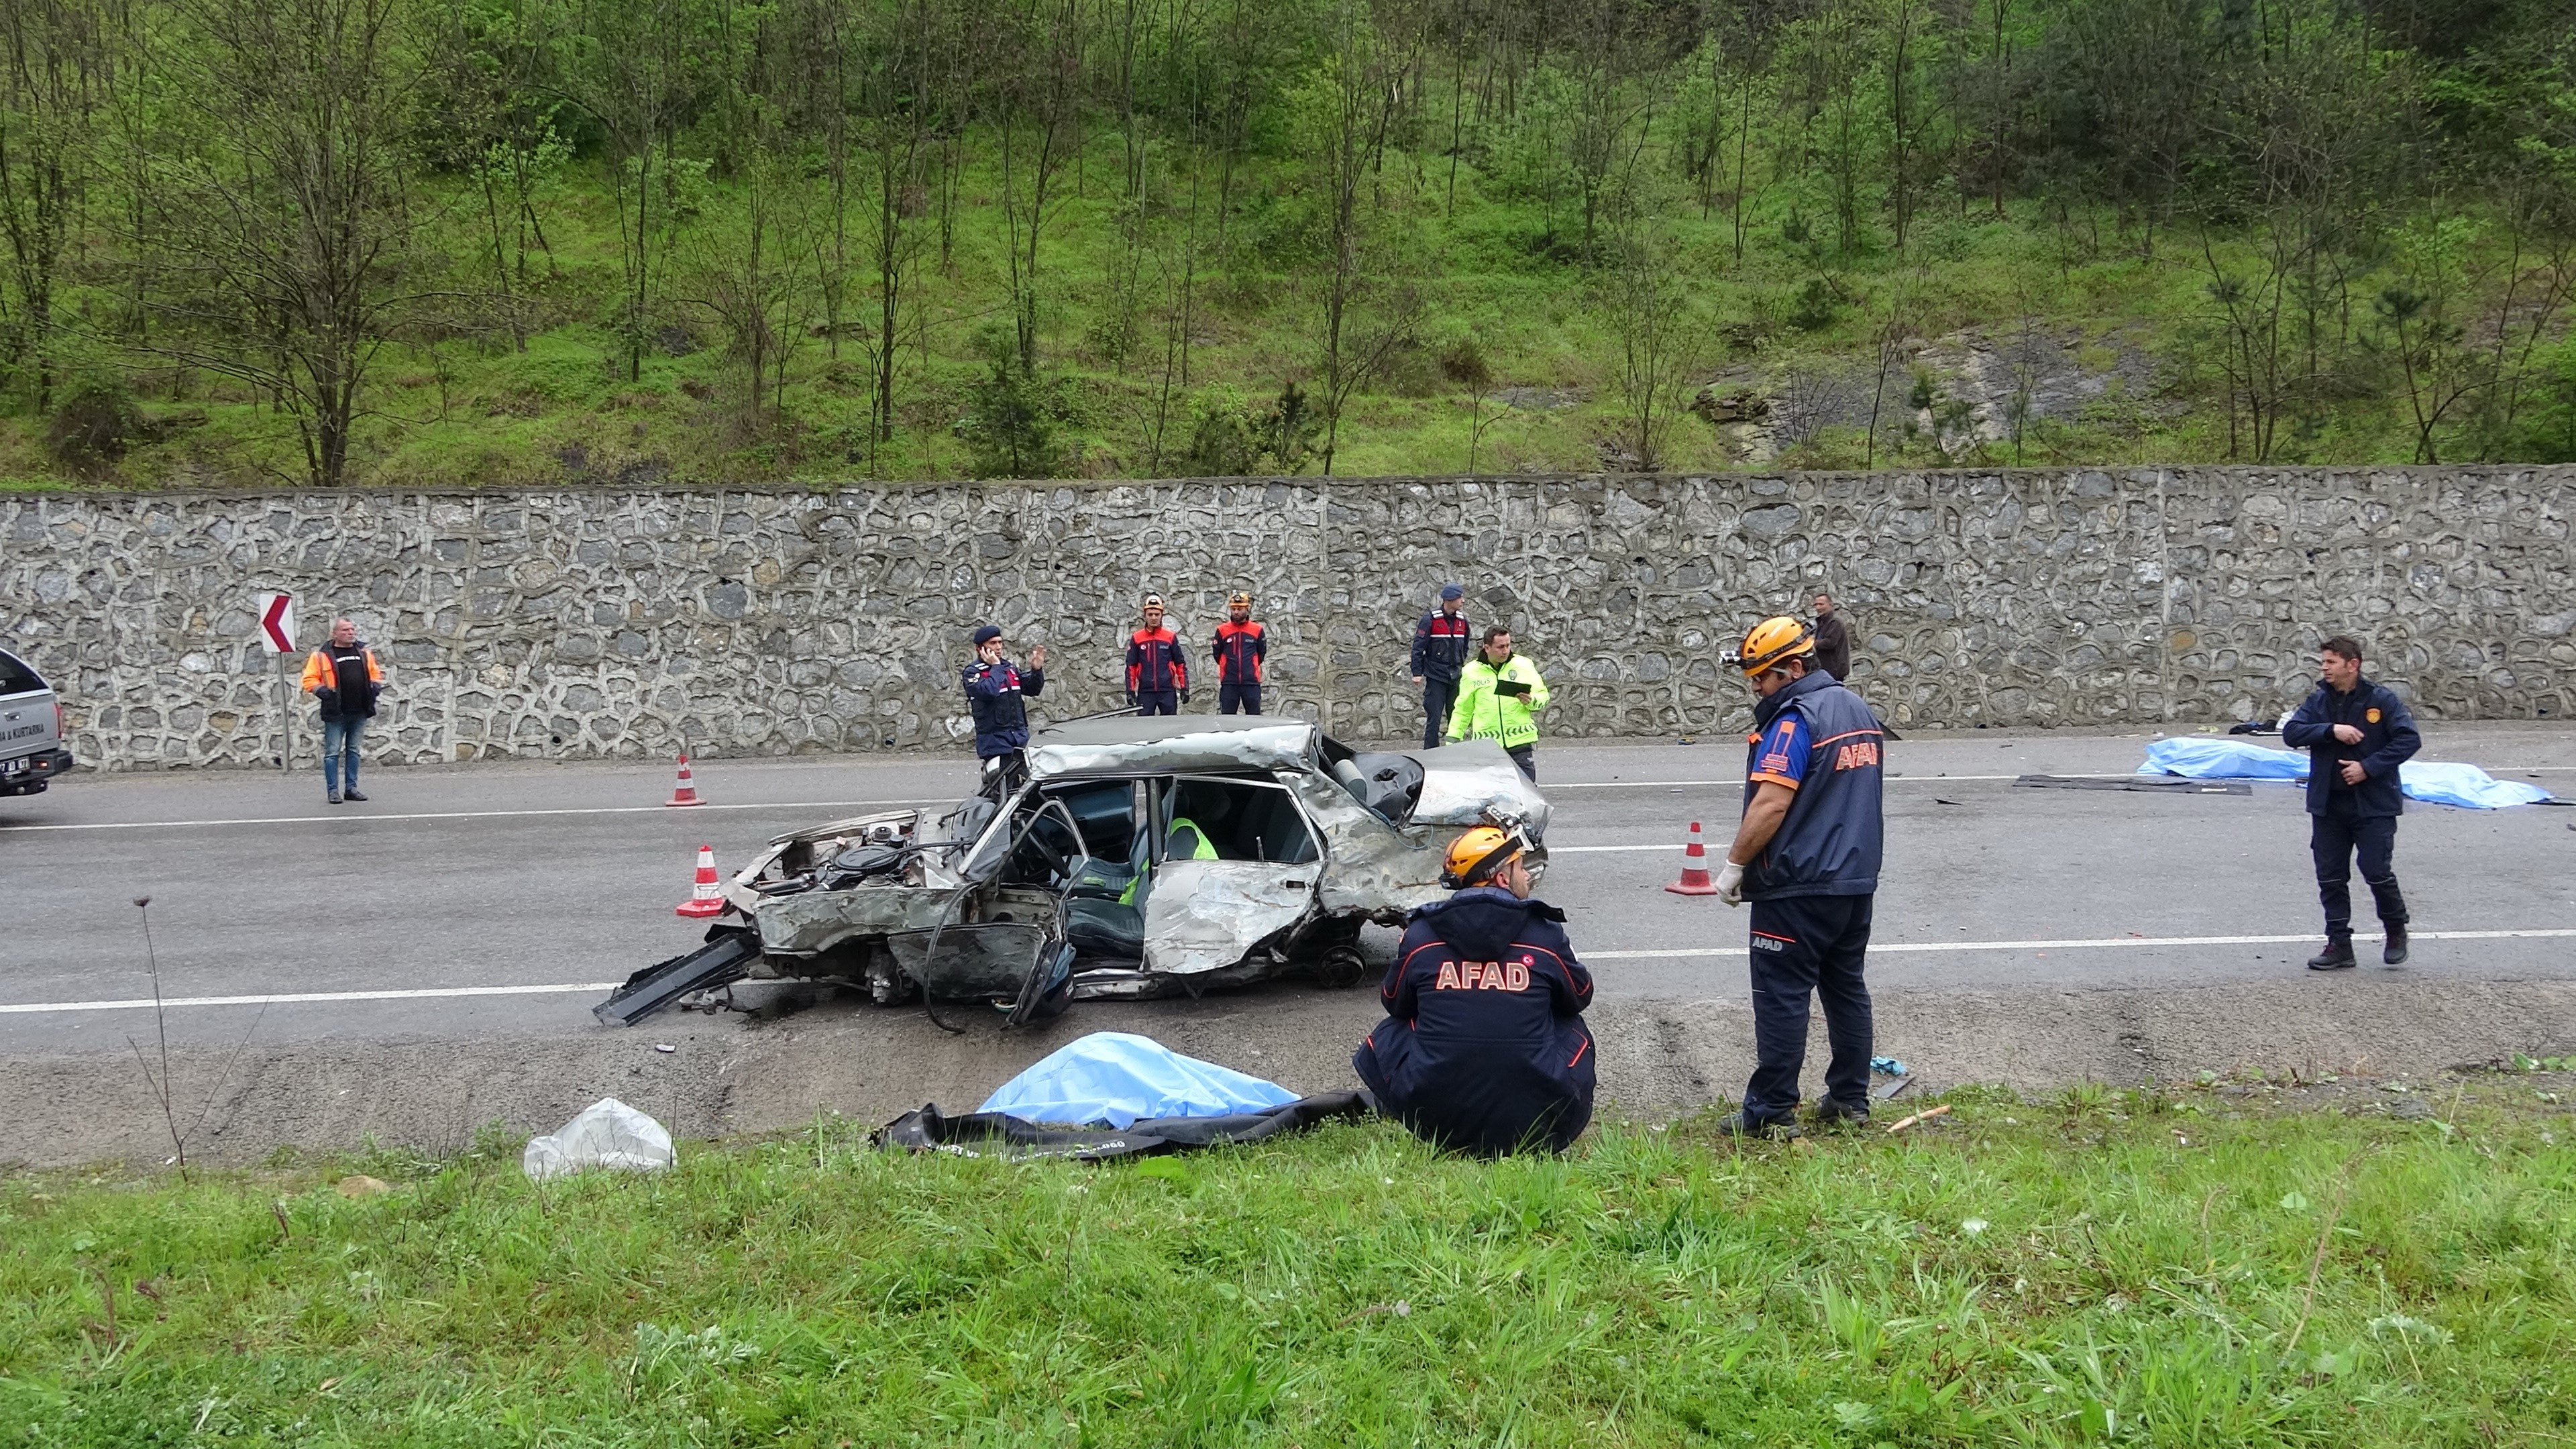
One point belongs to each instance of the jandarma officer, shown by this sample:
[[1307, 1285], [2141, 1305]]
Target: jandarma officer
[[995, 688], [1807, 857]]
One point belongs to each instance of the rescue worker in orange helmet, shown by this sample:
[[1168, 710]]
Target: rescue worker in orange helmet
[[1158, 676], [1483, 1048], [1807, 856]]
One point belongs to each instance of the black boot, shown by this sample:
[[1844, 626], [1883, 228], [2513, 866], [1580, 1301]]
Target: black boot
[[2337, 956], [2394, 953]]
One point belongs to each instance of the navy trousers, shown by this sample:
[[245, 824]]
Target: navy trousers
[[1244, 698], [1158, 701], [1439, 697], [1807, 944], [2334, 837]]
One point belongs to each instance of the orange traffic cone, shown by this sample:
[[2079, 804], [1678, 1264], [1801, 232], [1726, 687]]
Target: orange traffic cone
[[707, 899], [686, 792], [1694, 881]]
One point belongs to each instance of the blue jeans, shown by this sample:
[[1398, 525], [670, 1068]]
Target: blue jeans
[[339, 743]]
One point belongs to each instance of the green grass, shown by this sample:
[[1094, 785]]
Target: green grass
[[2106, 1268]]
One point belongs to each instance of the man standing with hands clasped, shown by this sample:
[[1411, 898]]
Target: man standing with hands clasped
[[2356, 734], [1158, 677], [1807, 857]]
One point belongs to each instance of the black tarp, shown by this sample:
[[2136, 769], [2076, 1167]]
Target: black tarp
[[998, 1134]]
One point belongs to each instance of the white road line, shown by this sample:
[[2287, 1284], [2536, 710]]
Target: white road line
[[465, 815], [1695, 953], [1881, 948], [297, 997]]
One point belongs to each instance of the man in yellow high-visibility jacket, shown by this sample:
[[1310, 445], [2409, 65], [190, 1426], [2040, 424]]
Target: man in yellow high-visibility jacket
[[1499, 696]]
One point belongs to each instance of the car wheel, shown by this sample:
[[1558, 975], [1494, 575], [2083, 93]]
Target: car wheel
[[1341, 967]]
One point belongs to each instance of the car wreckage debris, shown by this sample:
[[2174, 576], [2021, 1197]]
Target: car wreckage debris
[[2142, 784], [1138, 858]]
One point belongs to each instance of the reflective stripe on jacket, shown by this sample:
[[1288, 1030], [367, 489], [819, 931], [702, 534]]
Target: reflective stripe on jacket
[[323, 673], [1507, 719]]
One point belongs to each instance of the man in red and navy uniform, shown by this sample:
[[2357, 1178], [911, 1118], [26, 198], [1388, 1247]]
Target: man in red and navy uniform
[[1483, 1048], [1442, 642], [1241, 645], [1158, 677], [1807, 857]]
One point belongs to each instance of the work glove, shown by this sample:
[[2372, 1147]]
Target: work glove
[[1730, 884], [1131, 699], [1185, 696]]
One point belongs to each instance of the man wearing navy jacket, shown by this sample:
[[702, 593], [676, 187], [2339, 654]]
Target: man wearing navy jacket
[[1442, 642], [1158, 676], [994, 696], [1483, 1048], [2356, 734]]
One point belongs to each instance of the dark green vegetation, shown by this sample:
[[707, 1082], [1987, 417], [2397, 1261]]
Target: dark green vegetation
[[444, 241], [2107, 1268]]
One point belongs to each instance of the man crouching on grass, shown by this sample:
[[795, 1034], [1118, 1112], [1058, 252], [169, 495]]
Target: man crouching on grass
[[1483, 1048]]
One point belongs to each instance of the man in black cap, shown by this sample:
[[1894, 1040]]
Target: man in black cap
[[2356, 732], [994, 687], [1441, 643]]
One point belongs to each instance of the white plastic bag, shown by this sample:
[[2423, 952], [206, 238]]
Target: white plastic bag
[[608, 1133]]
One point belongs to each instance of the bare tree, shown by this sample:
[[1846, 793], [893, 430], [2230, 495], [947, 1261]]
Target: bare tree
[[1643, 296], [1039, 124], [1368, 316], [283, 214]]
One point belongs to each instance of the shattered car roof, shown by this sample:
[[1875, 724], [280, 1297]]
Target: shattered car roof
[[1173, 742]]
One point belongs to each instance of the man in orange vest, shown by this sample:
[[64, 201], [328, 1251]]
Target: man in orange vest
[[344, 679], [1241, 645], [1158, 677]]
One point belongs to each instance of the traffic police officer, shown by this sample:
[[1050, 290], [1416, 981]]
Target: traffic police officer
[[1499, 697], [1158, 677], [1807, 857], [1241, 645], [1483, 1048], [994, 690], [2356, 734]]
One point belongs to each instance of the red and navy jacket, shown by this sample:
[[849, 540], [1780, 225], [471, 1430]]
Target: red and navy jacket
[[1483, 1047], [1154, 662], [1441, 644], [1240, 648]]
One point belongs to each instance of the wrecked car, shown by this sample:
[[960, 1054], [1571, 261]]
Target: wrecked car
[[1141, 857]]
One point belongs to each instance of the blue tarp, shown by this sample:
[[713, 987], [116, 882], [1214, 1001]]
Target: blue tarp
[[1115, 1077], [2205, 757]]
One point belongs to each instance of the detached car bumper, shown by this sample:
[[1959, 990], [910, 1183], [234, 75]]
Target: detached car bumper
[[27, 774]]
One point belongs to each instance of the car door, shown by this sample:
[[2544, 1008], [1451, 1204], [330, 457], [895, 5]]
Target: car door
[[1204, 914]]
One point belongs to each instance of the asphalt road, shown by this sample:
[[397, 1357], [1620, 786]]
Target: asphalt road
[[518, 878]]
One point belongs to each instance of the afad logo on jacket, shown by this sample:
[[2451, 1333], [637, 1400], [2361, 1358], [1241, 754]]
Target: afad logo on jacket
[[1485, 975]]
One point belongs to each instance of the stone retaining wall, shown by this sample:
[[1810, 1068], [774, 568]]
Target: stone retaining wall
[[628, 621]]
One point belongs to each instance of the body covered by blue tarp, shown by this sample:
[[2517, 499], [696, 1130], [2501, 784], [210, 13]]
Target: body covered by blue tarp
[[2203, 757], [1115, 1077]]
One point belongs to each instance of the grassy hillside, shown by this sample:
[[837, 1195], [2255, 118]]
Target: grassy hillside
[[667, 240]]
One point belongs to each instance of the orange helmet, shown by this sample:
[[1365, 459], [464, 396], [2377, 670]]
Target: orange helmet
[[1475, 855], [1770, 643]]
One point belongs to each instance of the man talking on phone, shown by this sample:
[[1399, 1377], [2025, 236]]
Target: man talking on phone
[[1499, 696]]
